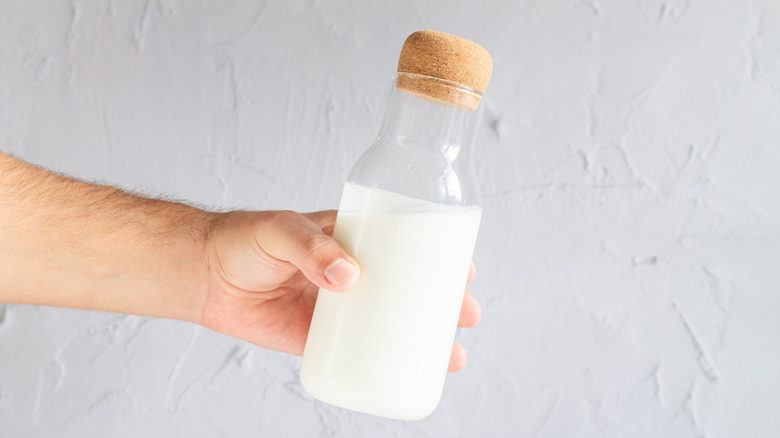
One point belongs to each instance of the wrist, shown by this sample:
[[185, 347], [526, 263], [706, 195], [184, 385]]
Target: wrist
[[196, 275]]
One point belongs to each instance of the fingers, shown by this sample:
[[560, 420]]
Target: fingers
[[470, 311], [458, 358], [326, 220], [300, 240], [470, 314]]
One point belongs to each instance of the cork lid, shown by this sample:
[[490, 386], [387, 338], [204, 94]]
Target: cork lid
[[444, 68]]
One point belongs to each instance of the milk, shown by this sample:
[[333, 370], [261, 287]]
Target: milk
[[383, 347]]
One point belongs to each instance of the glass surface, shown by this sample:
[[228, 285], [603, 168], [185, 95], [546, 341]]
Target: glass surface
[[424, 148]]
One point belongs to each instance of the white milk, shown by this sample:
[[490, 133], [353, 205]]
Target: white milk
[[383, 347]]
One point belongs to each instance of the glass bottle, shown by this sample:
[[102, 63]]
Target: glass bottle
[[408, 215]]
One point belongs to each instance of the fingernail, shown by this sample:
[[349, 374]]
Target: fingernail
[[340, 272]]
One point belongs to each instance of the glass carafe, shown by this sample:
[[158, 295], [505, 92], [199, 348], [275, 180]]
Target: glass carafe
[[408, 215]]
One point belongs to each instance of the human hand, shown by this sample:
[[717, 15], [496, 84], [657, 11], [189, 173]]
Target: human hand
[[265, 269]]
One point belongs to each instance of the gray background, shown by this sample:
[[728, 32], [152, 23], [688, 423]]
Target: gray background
[[629, 163]]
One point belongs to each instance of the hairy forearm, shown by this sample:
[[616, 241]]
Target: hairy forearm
[[68, 243]]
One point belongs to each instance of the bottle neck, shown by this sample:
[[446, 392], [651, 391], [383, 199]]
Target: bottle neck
[[416, 120]]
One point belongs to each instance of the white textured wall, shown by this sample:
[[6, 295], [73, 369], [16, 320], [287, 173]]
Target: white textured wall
[[630, 166]]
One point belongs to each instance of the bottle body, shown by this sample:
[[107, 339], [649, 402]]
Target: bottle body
[[383, 347]]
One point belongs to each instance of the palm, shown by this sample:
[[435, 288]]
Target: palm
[[273, 314]]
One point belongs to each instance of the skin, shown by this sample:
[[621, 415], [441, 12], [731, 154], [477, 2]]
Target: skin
[[253, 275]]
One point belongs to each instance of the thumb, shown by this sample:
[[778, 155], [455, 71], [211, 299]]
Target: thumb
[[295, 238]]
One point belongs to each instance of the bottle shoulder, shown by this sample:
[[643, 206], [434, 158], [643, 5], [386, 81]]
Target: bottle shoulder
[[400, 166]]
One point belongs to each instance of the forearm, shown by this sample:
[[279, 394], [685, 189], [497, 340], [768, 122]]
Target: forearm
[[72, 244]]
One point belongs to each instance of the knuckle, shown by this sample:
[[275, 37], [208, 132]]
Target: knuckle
[[278, 220], [285, 216], [315, 244]]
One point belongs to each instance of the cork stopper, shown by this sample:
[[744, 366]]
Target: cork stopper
[[444, 69]]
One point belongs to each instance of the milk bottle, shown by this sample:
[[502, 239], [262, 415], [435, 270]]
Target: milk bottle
[[408, 217]]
